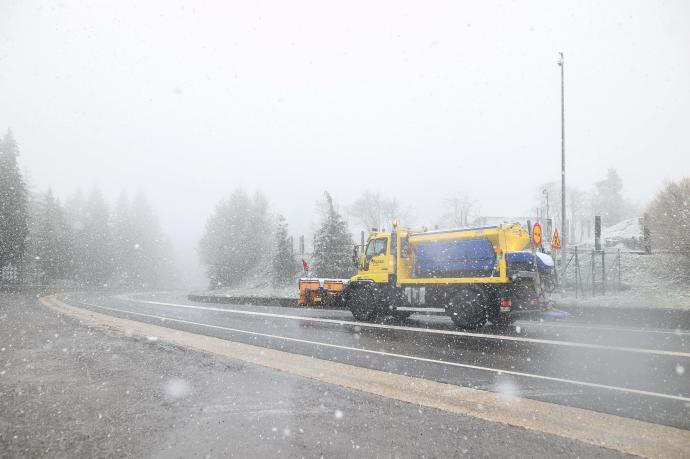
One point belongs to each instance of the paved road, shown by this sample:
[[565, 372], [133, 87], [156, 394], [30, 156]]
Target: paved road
[[69, 389], [636, 373]]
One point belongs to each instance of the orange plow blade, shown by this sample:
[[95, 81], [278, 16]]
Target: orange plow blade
[[313, 291]]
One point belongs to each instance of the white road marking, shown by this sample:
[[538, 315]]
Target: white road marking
[[429, 330], [404, 356], [677, 332]]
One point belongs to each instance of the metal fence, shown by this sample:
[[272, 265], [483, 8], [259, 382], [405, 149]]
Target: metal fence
[[593, 272]]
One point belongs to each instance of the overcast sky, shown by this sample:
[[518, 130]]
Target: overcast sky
[[186, 100]]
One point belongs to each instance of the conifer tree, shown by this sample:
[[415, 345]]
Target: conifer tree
[[13, 205], [95, 266], [284, 265], [608, 199], [333, 244], [236, 239], [49, 240], [123, 242], [147, 257]]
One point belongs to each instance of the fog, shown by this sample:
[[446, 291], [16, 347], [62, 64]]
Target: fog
[[186, 101]]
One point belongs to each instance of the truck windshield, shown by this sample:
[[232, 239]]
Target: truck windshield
[[376, 247]]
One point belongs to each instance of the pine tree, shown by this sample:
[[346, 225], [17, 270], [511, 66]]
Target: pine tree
[[333, 245], [147, 256], [74, 219], [236, 239], [13, 205], [284, 265], [211, 245], [224, 247], [608, 200], [95, 265], [49, 241], [122, 242]]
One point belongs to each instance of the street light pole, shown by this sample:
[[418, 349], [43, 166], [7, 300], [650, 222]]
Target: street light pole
[[561, 63]]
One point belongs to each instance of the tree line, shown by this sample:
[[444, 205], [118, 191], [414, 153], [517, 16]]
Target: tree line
[[82, 242], [668, 212], [245, 244]]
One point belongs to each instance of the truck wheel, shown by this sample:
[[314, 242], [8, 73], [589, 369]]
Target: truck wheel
[[467, 309], [362, 303]]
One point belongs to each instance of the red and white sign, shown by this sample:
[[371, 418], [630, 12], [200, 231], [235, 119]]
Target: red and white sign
[[536, 234], [556, 241]]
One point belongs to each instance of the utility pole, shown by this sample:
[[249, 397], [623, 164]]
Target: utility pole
[[564, 236], [548, 221]]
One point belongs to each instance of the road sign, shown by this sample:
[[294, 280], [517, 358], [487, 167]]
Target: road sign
[[536, 234], [556, 241]]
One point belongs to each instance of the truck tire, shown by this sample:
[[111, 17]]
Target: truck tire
[[467, 308], [363, 304]]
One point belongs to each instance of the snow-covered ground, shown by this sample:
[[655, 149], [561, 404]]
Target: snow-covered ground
[[660, 280]]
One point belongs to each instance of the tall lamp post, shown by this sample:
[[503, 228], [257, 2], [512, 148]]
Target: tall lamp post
[[561, 63]]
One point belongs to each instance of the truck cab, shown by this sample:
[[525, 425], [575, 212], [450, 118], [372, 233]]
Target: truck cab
[[376, 262]]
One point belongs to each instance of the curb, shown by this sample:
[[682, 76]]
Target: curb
[[254, 300]]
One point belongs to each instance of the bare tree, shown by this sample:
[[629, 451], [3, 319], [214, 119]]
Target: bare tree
[[373, 210], [458, 211], [579, 213], [669, 217]]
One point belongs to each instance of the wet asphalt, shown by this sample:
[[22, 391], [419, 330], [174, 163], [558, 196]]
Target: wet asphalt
[[638, 373], [73, 390]]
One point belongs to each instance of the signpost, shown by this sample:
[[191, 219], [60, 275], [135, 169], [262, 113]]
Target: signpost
[[535, 242]]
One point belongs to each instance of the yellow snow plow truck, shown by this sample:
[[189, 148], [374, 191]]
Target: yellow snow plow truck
[[471, 274]]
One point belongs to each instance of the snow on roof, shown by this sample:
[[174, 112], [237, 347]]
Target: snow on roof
[[626, 230]]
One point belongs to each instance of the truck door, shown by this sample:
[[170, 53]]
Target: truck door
[[376, 259]]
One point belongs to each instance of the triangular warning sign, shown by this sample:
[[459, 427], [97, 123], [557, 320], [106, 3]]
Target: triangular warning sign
[[556, 241]]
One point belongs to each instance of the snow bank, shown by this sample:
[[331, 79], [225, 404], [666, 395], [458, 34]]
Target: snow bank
[[659, 280]]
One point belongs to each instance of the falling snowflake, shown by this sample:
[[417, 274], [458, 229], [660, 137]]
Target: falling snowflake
[[507, 389], [177, 388]]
